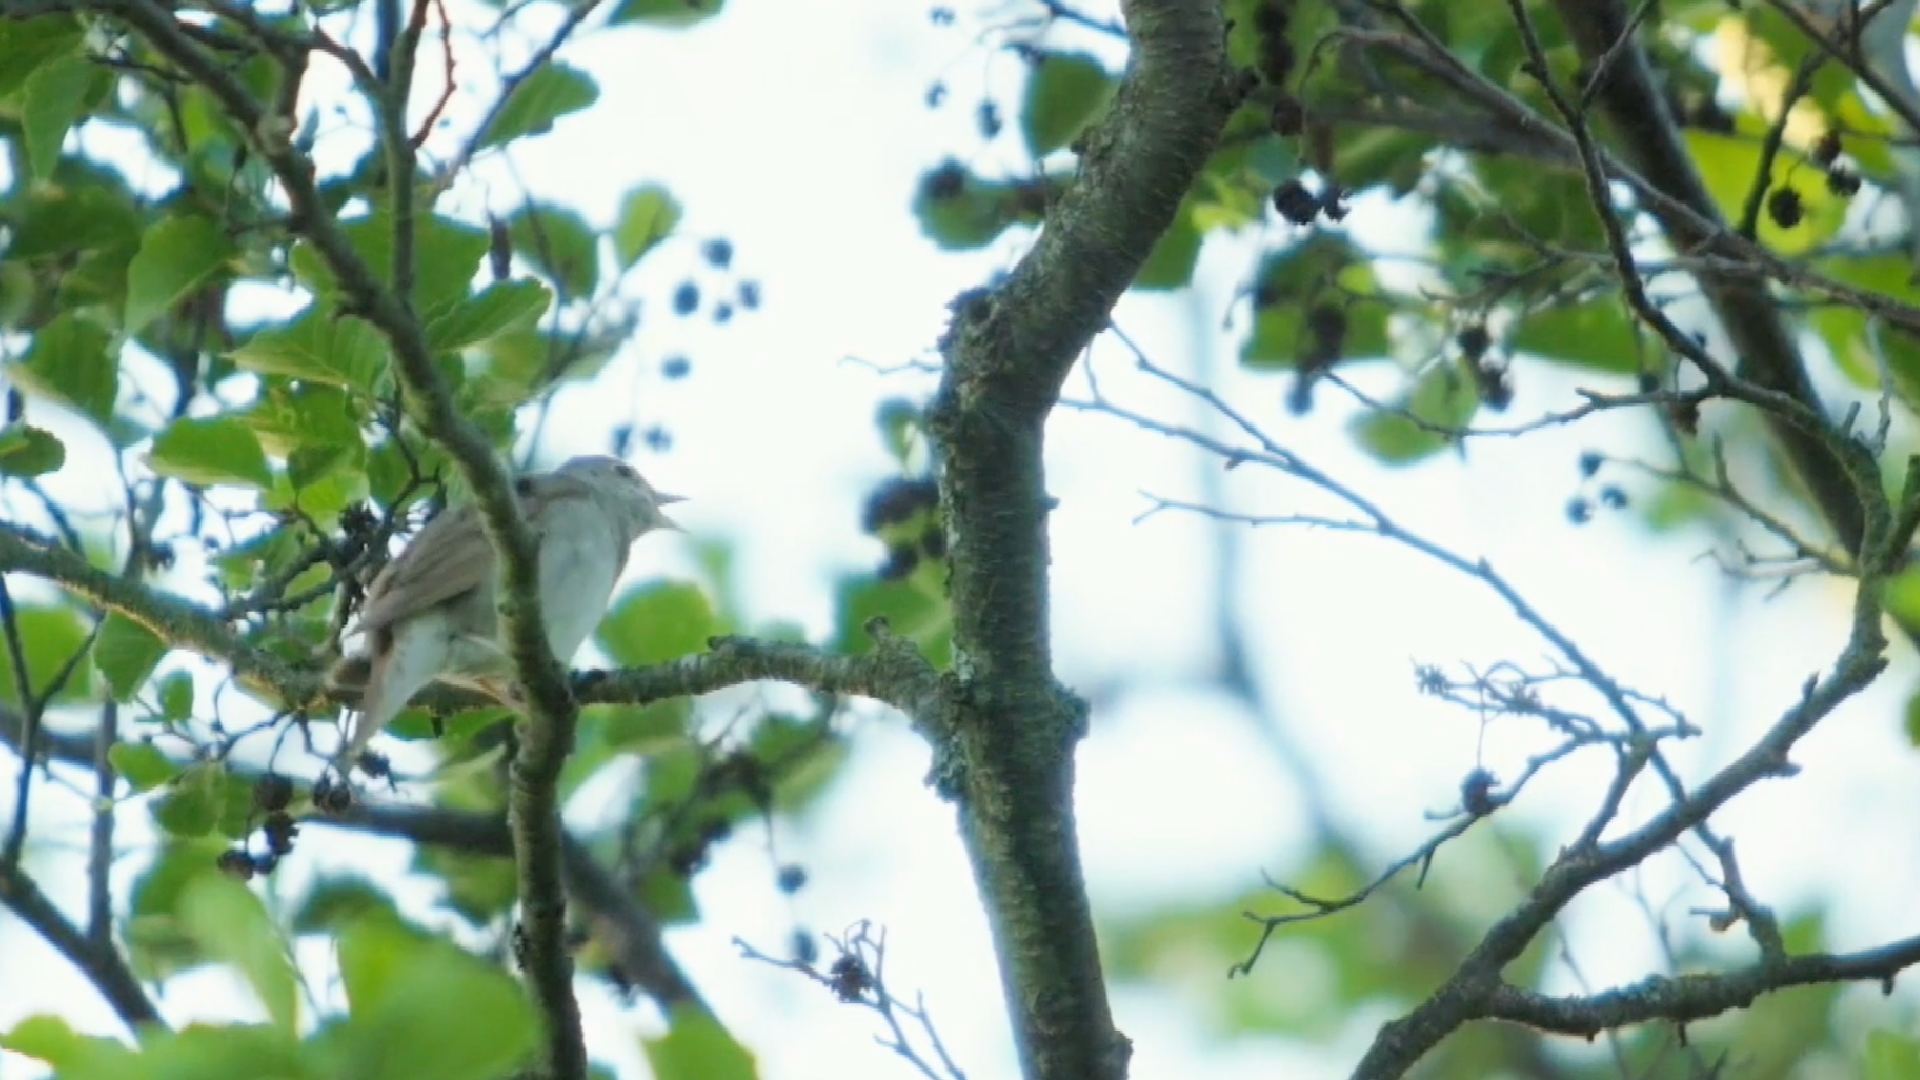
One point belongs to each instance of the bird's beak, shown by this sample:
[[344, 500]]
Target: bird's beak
[[666, 522]]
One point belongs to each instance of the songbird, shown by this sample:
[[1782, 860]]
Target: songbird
[[432, 613]]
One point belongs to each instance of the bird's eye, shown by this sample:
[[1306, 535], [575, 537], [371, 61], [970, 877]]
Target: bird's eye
[[626, 470]]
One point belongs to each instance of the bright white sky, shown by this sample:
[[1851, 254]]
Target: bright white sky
[[798, 132]]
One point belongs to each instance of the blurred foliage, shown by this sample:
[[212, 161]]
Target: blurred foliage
[[266, 453]]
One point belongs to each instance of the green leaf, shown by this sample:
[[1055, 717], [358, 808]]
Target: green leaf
[[1597, 334], [191, 807], [479, 888], [225, 1052], [176, 257], [308, 416], [426, 1010], [320, 346], [1442, 398], [916, 609], [1170, 264], [125, 653], [49, 636], [697, 1047], [1324, 268], [214, 450], [657, 622], [648, 215], [1064, 93], [1728, 163], [157, 944], [71, 217], [961, 212], [337, 902], [25, 44], [56, 97], [560, 244], [666, 13], [446, 255], [551, 92], [493, 311], [72, 1055], [143, 765], [1891, 1056], [231, 924], [176, 696], [72, 362], [27, 451], [1858, 345]]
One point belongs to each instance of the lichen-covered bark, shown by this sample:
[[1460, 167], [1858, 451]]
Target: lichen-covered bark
[[1008, 760]]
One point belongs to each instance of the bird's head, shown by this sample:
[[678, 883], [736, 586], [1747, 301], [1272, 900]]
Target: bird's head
[[626, 491]]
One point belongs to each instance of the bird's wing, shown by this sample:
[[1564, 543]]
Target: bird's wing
[[452, 555]]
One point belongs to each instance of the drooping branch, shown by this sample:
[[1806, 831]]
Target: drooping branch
[[1009, 763]]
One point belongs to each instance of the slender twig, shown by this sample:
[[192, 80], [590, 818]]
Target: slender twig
[[30, 709]]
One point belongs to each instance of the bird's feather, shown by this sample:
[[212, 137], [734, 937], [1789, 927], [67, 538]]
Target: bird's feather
[[451, 557]]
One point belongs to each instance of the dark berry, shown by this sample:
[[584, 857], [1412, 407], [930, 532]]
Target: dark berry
[[988, 118], [1826, 149], [272, 792], [792, 878], [1473, 341], [1784, 207], [946, 182], [675, 367], [896, 500], [1333, 203], [718, 251], [236, 864], [1476, 793], [686, 298], [1296, 203]]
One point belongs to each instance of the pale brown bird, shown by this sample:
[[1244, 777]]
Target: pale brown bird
[[432, 615]]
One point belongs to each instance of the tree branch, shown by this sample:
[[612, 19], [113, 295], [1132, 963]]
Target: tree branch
[[619, 921], [628, 930], [1767, 353], [894, 673], [102, 966], [547, 734], [1694, 997], [1009, 763], [174, 620]]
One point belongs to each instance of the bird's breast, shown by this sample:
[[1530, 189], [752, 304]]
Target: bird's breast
[[578, 567]]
